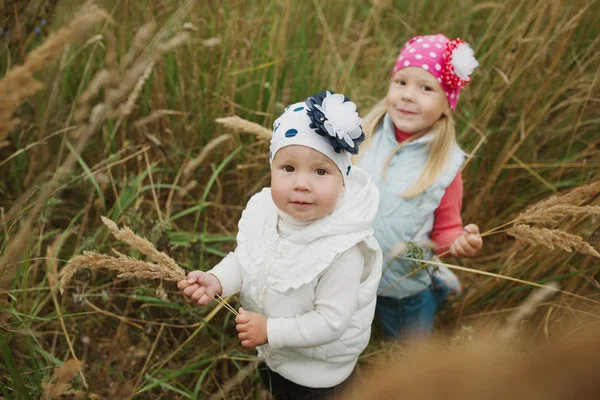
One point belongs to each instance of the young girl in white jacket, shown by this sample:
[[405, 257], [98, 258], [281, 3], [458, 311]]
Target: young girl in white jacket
[[306, 264]]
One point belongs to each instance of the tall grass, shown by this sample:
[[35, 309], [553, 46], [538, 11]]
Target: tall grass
[[162, 165]]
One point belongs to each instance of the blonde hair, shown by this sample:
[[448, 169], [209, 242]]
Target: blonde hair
[[439, 147]]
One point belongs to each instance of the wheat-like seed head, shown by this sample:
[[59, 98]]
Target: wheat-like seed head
[[124, 265], [140, 244], [238, 124], [575, 197], [552, 238], [553, 214], [20, 83], [191, 165]]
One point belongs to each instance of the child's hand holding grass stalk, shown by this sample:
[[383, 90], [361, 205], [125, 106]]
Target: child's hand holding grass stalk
[[161, 266], [200, 287]]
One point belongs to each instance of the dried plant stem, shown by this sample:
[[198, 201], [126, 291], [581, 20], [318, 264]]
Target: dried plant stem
[[391, 285], [9, 261], [126, 266], [553, 214], [552, 238], [205, 321], [577, 196], [191, 165], [238, 124], [144, 246], [221, 300], [163, 267], [508, 278], [19, 82], [51, 262], [526, 309]]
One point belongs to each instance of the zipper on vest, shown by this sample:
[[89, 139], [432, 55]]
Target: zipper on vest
[[394, 158]]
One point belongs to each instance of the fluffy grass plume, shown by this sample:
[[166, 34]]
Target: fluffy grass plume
[[238, 124], [19, 82], [554, 211], [163, 267]]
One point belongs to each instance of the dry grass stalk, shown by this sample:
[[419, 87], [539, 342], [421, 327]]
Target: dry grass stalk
[[212, 42], [141, 244], [191, 165], [116, 89], [131, 76], [16, 247], [553, 214], [157, 115], [163, 267], [140, 40], [526, 309], [552, 238], [576, 197], [235, 381], [19, 82], [127, 108], [191, 185], [125, 266], [238, 124], [52, 264]]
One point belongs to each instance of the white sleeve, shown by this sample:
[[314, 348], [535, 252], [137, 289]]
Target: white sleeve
[[229, 273], [336, 299]]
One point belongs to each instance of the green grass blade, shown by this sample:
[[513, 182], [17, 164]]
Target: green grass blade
[[9, 363], [89, 174]]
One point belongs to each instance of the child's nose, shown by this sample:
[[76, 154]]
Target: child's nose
[[408, 93], [301, 183]]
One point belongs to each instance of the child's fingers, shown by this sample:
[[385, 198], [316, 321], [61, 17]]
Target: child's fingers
[[205, 299], [247, 343], [243, 317], [182, 284], [194, 276], [243, 335], [472, 228], [475, 241], [188, 291], [243, 327], [198, 293], [456, 248]]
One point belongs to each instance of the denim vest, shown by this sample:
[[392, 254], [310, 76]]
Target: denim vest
[[399, 219]]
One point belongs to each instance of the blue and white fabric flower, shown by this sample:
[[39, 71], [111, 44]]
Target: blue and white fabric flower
[[326, 122], [334, 116]]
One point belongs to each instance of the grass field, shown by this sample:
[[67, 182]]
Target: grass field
[[125, 128]]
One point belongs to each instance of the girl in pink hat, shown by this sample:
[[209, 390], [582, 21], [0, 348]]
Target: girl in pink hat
[[412, 156]]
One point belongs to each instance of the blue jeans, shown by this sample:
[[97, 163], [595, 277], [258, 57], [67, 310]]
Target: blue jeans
[[411, 317]]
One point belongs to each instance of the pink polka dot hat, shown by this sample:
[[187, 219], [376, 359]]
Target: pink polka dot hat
[[451, 62]]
